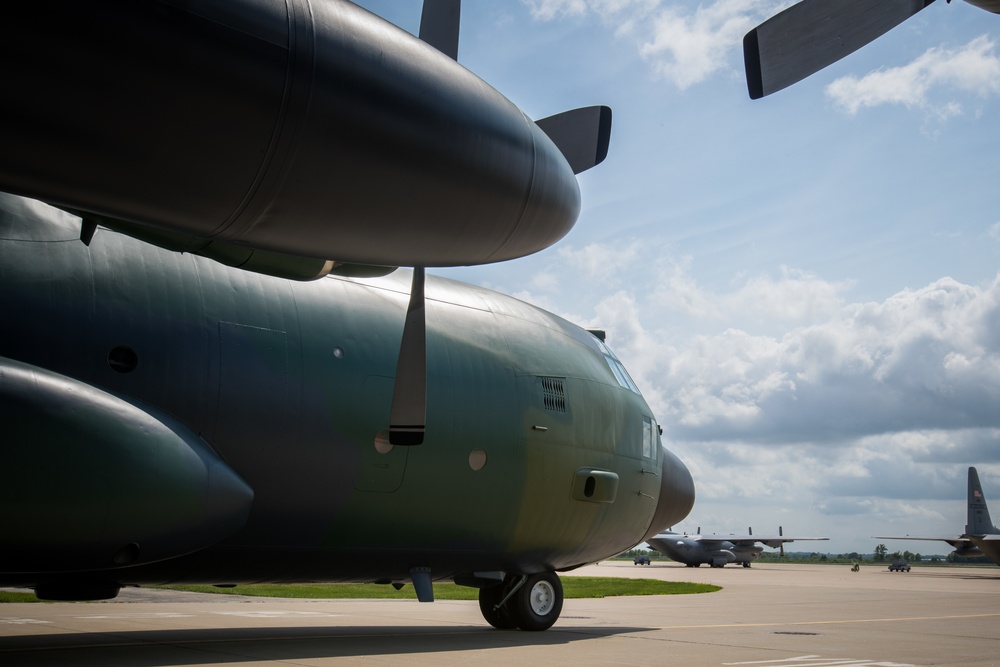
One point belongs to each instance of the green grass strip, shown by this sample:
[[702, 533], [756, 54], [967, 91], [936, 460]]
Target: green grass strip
[[573, 587], [17, 596]]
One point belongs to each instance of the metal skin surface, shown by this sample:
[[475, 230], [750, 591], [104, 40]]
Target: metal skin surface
[[311, 128], [533, 458]]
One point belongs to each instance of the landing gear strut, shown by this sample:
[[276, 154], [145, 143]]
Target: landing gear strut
[[529, 602]]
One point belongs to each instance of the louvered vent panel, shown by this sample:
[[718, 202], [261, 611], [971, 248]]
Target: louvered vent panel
[[554, 394]]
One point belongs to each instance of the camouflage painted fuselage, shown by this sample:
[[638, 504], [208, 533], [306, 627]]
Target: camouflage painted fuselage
[[265, 399]]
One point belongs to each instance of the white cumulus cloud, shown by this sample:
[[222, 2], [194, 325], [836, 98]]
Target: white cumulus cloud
[[971, 69], [683, 43]]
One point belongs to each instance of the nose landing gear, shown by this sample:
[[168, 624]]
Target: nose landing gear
[[529, 602]]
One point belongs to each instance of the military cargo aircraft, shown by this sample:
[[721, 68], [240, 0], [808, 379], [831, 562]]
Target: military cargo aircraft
[[981, 537], [210, 370], [718, 550], [811, 34]]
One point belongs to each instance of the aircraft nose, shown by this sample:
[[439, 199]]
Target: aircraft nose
[[676, 494]]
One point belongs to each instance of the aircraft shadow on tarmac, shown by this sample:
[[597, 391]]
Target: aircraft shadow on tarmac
[[160, 648]]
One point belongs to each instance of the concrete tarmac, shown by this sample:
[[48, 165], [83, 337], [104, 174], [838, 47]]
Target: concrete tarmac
[[770, 614]]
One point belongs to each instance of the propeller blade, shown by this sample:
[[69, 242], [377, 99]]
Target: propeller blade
[[409, 394], [439, 21], [581, 135], [812, 34]]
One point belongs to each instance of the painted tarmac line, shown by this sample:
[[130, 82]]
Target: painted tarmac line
[[817, 661], [833, 622]]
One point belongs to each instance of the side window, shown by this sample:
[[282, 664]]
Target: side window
[[650, 439], [647, 438]]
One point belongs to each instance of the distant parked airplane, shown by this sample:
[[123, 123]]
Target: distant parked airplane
[[718, 550], [981, 537]]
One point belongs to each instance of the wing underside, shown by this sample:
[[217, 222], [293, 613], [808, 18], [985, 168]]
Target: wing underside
[[748, 540]]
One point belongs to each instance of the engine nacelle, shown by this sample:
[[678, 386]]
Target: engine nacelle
[[970, 551], [313, 129], [720, 557], [748, 552], [95, 482]]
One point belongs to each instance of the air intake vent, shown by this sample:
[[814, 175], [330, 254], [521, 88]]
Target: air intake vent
[[554, 394]]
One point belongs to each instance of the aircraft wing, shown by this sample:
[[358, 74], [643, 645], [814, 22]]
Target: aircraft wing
[[956, 541], [775, 542], [747, 540]]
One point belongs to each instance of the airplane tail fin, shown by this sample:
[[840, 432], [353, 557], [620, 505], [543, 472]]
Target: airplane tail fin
[[979, 515]]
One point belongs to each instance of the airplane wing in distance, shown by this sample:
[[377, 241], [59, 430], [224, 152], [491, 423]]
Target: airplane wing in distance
[[962, 545], [957, 541], [981, 537], [770, 540]]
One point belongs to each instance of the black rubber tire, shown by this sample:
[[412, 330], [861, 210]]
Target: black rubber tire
[[538, 603], [488, 600]]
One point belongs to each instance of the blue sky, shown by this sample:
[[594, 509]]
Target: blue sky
[[805, 287]]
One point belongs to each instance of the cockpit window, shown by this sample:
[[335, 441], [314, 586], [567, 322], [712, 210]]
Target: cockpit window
[[621, 374], [617, 369]]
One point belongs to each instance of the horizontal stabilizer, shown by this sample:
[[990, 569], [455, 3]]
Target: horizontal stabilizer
[[812, 34], [582, 135]]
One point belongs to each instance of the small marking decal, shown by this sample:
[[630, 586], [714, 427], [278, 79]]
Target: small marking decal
[[13, 620]]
